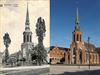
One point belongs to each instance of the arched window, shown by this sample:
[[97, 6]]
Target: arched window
[[74, 51], [80, 38], [80, 56], [74, 37], [68, 58], [24, 39], [77, 37], [27, 38], [74, 56], [30, 38]]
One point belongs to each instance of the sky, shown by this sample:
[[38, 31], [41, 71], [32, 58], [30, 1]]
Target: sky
[[62, 21], [12, 20]]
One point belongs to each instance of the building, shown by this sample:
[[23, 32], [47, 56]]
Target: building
[[57, 54], [1, 54], [27, 45], [79, 52]]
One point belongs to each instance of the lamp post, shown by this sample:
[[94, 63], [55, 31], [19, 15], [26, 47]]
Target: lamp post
[[89, 50]]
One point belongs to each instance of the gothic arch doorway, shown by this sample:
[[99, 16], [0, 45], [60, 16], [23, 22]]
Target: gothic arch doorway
[[73, 56], [80, 56]]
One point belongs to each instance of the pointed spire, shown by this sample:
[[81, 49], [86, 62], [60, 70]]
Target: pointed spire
[[27, 19], [77, 27], [77, 16]]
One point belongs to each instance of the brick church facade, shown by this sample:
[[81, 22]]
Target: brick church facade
[[79, 52], [57, 54]]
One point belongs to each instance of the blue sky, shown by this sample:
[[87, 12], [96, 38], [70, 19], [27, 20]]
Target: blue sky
[[62, 21]]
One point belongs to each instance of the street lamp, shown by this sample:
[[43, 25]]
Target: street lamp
[[89, 50]]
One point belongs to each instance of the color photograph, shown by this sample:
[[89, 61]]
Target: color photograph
[[74, 37]]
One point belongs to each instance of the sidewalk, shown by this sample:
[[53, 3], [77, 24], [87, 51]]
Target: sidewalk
[[61, 69], [25, 70], [24, 67]]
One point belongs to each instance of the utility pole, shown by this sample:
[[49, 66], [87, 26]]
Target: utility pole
[[89, 50]]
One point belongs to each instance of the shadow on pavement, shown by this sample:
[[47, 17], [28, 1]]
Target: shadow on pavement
[[87, 72]]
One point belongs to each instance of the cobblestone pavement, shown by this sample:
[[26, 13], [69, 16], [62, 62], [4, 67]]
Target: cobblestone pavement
[[74, 70]]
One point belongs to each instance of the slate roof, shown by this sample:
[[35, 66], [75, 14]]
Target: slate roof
[[61, 48], [91, 46], [97, 49], [16, 54]]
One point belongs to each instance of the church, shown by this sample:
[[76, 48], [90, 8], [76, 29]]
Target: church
[[29, 53], [27, 46], [79, 52]]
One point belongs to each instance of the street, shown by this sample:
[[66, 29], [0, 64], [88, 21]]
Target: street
[[74, 70], [26, 70]]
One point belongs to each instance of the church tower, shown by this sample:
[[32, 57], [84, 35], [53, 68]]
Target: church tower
[[77, 46], [77, 34], [27, 44]]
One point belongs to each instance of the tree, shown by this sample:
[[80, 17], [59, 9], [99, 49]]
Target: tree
[[40, 32], [41, 54], [40, 29], [7, 41], [12, 61]]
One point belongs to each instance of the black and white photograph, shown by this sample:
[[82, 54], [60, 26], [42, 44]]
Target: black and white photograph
[[24, 37]]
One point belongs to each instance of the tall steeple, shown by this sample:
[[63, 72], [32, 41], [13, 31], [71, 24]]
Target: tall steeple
[[27, 45], [27, 20], [27, 33], [77, 26], [77, 34]]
